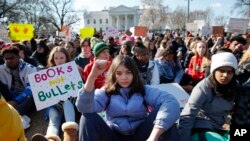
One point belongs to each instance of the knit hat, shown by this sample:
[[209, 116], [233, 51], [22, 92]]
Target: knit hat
[[93, 41], [224, 59], [99, 47]]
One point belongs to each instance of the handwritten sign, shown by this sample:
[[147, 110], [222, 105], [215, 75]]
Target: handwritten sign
[[54, 84], [176, 90], [111, 32], [20, 32]]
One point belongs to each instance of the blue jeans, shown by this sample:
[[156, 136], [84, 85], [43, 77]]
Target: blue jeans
[[93, 128], [56, 116]]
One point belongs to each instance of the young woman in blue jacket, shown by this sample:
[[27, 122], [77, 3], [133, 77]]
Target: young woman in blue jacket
[[125, 100]]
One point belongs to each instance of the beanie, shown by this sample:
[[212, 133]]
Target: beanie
[[99, 47], [93, 41], [224, 59]]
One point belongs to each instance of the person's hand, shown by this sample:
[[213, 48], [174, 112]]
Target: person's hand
[[99, 67], [13, 103]]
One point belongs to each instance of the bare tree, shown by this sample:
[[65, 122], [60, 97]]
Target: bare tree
[[242, 7], [177, 18], [206, 15], [221, 20], [60, 13], [154, 14], [8, 7]]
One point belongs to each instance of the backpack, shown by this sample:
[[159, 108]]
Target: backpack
[[241, 110]]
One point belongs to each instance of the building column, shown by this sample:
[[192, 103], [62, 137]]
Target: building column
[[117, 22], [134, 19], [126, 22]]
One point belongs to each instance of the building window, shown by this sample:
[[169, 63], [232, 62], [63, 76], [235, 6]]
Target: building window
[[101, 30], [107, 21], [100, 21], [94, 21], [88, 21]]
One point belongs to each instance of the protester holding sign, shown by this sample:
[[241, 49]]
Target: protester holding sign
[[212, 99], [58, 56], [125, 99], [14, 74]]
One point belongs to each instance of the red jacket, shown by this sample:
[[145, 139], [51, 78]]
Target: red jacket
[[196, 72], [99, 82]]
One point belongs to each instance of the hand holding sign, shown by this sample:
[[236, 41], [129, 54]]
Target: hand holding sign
[[49, 86]]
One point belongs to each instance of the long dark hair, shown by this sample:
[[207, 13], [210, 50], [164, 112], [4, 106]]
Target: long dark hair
[[112, 87], [227, 91]]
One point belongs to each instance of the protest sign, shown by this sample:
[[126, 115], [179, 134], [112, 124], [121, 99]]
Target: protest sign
[[140, 31], [19, 32], [176, 90], [206, 31], [87, 32], [218, 31], [54, 84], [192, 27], [238, 25], [111, 32], [66, 31]]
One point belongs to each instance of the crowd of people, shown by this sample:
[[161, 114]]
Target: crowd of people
[[117, 74]]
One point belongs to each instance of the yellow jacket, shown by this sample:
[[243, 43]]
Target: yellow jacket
[[11, 128]]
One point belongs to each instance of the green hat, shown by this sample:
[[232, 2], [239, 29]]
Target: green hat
[[99, 47]]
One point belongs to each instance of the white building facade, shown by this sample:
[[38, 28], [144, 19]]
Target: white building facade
[[121, 18]]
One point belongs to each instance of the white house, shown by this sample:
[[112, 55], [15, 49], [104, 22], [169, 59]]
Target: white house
[[121, 18]]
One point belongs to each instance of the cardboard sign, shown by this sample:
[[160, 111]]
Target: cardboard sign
[[87, 32], [54, 84], [218, 30], [238, 25], [176, 90], [20, 32], [140, 31], [4, 35]]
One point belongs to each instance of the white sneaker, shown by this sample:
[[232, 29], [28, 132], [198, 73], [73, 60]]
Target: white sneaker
[[25, 121], [26, 118]]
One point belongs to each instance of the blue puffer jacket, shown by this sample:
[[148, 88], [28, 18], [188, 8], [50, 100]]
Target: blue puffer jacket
[[126, 114], [24, 70]]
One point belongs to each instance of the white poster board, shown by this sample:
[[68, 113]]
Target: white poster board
[[54, 84], [206, 30], [192, 27], [200, 24], [238, 25], [176, 90]]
